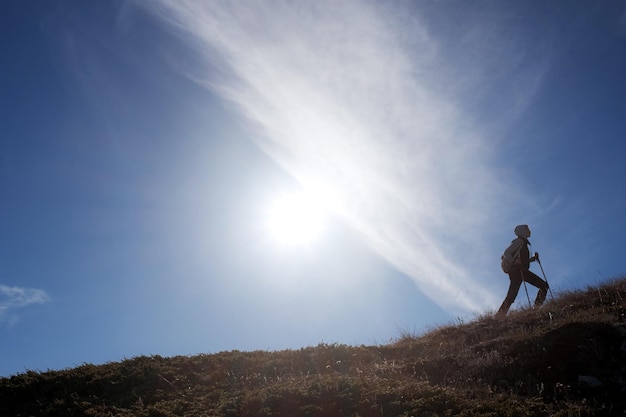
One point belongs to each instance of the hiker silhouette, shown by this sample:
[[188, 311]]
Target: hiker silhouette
[[519, 270]]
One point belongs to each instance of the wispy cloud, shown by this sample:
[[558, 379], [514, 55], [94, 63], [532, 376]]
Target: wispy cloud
[[354, 96], [14, 298]]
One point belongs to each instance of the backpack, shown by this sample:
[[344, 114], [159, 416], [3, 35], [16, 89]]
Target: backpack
[[511, 254]]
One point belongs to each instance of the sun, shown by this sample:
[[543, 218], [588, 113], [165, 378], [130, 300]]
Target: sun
[[296, 218]]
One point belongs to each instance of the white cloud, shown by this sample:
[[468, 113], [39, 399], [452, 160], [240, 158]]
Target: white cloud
[[351, 95], [13, 298]]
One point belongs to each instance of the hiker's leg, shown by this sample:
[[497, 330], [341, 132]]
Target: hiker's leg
[[533, 279], [516, 281]]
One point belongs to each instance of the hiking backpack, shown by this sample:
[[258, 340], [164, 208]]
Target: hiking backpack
[[510, 255]]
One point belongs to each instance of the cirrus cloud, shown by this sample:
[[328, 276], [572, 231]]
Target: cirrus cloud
[[355, 96], [15, 298]]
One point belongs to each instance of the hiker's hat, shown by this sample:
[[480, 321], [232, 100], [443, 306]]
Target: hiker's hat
[[522, 230]]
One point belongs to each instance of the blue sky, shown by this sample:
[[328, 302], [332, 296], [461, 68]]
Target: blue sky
[[181, 177]]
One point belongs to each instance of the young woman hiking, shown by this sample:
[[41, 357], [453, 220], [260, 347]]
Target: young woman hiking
[[519, 270]]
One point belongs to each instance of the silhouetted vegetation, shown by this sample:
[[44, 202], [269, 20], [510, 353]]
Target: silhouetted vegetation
[[566, 359]]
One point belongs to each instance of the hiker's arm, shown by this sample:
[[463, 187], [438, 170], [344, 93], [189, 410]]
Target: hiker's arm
[[534, 258]]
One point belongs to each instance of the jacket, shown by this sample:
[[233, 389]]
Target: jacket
[[523, 261]]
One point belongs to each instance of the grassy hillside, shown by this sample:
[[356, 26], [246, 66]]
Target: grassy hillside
[[565, 359]]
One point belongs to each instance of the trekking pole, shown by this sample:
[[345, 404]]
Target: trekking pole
[[544, 274]]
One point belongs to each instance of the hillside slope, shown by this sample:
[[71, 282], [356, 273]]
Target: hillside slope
[[566, 359]]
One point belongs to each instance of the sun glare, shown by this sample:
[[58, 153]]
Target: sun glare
[[296, 218]]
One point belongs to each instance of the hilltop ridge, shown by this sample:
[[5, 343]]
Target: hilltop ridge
[[567, 358]]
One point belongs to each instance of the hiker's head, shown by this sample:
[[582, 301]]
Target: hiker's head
[[522, 231]]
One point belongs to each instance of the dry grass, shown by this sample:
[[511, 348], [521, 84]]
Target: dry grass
[[535, 362]]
